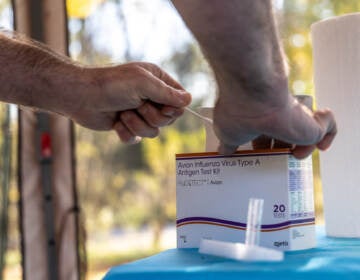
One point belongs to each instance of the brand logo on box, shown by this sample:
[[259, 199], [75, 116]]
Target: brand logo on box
[[281, 244]]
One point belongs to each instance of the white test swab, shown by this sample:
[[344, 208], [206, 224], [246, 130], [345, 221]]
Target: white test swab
[[199, 115], [250, 251]]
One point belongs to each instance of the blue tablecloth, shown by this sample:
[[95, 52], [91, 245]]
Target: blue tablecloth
[[334, 258]]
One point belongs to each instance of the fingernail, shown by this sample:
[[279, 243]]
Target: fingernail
[[184, 97], [143, 109], [125, 117], [168, 112], [136, 140]]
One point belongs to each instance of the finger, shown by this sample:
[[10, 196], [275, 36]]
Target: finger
[[169, 111], [170, 123], [172, 111], [325, 143], [262, 142], [137, 126], [154, 116], [158, 91], [301, 152], [226, 149], [278, 144], [326, 120], [160, 74], [124, 134]]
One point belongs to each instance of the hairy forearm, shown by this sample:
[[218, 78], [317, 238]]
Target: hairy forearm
[[32, 75], [239, 39]]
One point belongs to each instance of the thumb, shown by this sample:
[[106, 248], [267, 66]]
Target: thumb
[[161, 88], [326, 120], [226, 149], [160, 74], [160, 92]]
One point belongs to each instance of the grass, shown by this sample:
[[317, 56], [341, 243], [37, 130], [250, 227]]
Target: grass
[[99, 262]]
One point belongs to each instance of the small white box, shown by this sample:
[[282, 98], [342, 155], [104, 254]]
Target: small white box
[[213, 192]]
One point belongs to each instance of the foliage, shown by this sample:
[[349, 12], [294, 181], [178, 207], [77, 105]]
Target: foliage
[[295, 18], [134, 186], [81, 8], [137, 192]]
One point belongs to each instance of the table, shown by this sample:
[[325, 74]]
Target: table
[[334, 258]]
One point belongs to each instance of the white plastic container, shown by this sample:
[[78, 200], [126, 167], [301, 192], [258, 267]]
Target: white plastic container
[[336, 54]]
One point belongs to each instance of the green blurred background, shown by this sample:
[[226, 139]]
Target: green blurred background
[[127, 193]]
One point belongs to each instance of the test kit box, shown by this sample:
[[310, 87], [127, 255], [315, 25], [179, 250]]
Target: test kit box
[[213, 193]]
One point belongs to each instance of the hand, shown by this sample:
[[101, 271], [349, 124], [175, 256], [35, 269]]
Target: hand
[[248, 62], [239, 119], [134, 99]]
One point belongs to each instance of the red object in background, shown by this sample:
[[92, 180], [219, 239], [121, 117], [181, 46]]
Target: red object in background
[[45, 145]]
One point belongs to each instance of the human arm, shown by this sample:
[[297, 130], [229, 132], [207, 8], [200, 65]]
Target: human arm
[[134, 99], [240, 42]]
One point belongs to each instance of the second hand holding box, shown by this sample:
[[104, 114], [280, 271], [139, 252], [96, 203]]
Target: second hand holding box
[[213, 192]]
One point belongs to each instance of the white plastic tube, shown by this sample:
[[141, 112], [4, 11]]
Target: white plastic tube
[[254, 218], [239, 251], [250, 251]]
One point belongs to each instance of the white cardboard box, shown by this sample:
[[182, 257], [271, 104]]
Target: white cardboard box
[[213, 192]]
